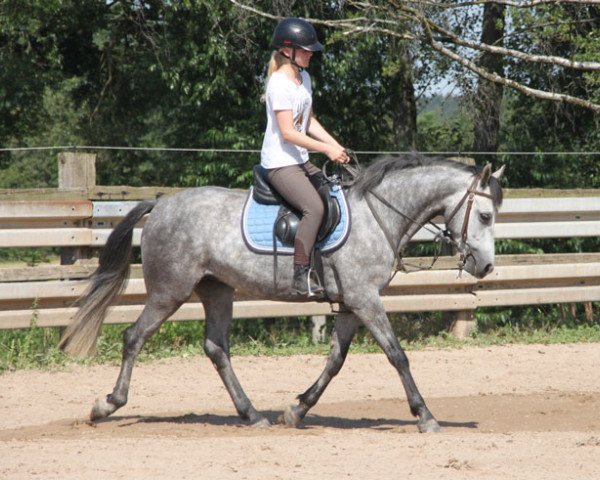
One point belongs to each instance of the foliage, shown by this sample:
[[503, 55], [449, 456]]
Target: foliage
[[28, 56], [190, 74], [533, 320], [36, 347], [438, 133], [530, 125], [185, 75], [31, 256]]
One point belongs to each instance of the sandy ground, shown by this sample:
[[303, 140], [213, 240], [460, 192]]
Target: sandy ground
[[523, 412]]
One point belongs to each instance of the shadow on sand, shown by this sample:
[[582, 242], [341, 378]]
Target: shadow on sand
[[311, 421]]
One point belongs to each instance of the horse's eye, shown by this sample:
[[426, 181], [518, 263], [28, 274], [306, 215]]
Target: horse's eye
[[485, 218]]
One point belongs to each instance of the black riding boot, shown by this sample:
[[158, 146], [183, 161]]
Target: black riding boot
[[303, 283]]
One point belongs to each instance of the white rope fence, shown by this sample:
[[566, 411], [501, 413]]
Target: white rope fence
[[247, 151]]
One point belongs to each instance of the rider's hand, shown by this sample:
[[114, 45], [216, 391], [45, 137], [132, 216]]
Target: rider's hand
[[337, 154]]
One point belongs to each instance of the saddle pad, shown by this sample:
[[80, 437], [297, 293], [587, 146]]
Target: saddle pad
[[258, 220]]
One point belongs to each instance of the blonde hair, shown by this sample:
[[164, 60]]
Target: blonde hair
[[276, 61]]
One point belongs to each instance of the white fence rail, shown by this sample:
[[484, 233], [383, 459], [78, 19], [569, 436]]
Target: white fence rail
[[518, 279], [87, 224]]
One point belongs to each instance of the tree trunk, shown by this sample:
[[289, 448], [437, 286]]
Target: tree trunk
[[488, 100], [402, 102]]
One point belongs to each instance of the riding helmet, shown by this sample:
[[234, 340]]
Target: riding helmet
[[295, 32]]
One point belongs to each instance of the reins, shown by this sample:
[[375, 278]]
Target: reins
[[441, 235], [346, 176], [399, 263]]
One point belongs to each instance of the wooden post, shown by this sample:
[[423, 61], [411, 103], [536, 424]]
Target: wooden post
[[76, 171], [461, 322], [318, 328], [589, 311]]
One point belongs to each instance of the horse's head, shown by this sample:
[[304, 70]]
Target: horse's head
[[471, 221]]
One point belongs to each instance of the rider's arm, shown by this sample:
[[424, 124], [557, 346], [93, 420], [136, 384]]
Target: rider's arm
[[316, 130], [289, 134]]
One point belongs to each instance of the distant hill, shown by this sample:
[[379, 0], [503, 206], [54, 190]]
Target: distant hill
[[447, 106]]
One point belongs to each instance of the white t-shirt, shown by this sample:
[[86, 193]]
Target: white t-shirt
[[284, 94]]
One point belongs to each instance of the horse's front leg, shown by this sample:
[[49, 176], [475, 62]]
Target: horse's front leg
[[374, 317], [343, 332]]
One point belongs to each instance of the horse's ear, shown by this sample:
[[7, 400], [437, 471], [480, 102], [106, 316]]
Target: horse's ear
[[498, 174], [486, 173]]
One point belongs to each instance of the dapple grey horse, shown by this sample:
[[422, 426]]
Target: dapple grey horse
[[191, 242]]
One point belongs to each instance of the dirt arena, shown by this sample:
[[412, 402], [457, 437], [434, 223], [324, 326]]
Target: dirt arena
[[523, 412]]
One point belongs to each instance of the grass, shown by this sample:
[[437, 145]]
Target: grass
[[30, 348], [36, 348], [28, 256]]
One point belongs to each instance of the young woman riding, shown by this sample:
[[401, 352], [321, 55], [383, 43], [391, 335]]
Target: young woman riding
[[292, 130]]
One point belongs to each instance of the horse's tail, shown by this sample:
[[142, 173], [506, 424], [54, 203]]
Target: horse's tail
[[106, 283]]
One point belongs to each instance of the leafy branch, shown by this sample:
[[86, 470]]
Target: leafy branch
[[507, 3], [416, 21]]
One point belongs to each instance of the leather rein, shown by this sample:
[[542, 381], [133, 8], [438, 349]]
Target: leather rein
[[439, 235]]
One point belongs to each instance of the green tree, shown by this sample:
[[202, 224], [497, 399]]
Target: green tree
[[190, 74], [28, 56], [530, 125]]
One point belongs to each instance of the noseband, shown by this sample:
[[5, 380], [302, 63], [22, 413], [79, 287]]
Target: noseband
[[440, 235]]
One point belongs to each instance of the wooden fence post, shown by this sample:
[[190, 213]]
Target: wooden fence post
[[318, 328], [461, 322], [76, 171]]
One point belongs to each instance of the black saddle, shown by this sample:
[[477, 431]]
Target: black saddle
[[288, 217]]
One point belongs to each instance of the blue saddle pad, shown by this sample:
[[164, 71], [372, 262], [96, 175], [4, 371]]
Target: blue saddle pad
[[258, 220]]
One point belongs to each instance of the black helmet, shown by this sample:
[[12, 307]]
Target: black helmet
[[295, 32]]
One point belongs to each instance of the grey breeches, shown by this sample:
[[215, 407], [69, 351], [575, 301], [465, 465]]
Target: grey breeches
[[294, 186]]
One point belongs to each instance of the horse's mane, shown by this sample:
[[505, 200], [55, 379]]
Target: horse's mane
[[372, 175]]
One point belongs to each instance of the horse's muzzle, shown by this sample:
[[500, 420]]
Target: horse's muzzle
[[489, 268]]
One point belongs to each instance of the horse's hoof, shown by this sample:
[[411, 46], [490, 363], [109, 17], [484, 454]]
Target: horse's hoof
[[261, 423], [290, 417], [429, 426], [101, 409]]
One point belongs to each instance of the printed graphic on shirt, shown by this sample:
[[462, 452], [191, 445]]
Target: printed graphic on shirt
[[298, 122], [301, 110]]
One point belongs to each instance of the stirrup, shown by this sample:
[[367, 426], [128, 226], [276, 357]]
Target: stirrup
[[313, 287], [318, 288]]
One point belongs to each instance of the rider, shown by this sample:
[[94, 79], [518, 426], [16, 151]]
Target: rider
[[291, 131]]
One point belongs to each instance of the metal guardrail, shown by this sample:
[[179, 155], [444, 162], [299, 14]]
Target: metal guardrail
[[87, 224]]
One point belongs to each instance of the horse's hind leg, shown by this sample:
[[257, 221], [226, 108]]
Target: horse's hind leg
[[217, 299], [345, 327], [134, 337]]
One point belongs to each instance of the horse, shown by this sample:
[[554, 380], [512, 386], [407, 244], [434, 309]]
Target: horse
[[192, 242]]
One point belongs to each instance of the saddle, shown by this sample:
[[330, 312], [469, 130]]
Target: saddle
[[288, 218], [269, 223]]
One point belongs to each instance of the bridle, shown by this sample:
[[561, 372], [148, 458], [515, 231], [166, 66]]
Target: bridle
[[441, 235], [469, 196]]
